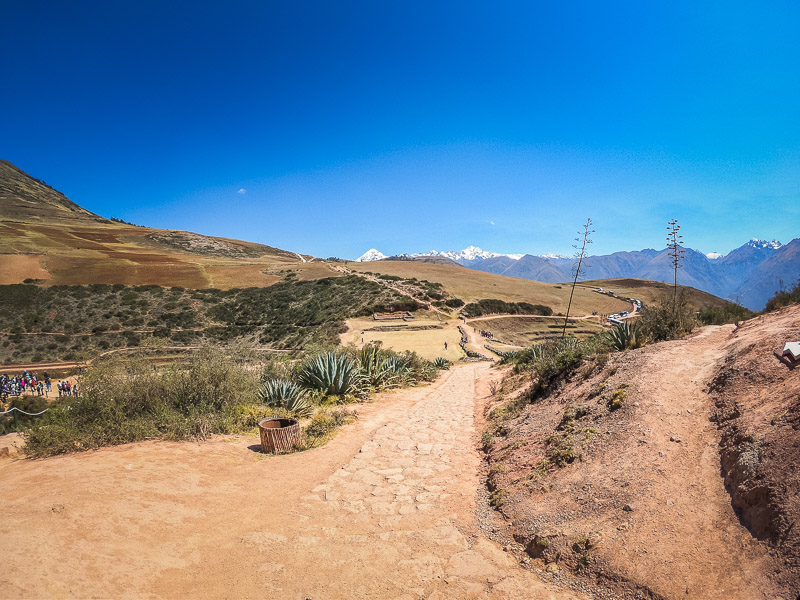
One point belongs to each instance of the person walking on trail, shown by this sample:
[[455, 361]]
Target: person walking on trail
[[445, 345]]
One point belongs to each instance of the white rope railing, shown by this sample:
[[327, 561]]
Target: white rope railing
[[14, 408]]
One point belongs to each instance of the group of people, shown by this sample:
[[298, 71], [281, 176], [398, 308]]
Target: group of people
[[32, 383], [484, 333]]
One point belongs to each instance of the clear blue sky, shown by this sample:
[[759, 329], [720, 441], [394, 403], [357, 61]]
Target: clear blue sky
[[413, 125]]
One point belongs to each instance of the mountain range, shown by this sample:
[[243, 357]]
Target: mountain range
[[748, 275]]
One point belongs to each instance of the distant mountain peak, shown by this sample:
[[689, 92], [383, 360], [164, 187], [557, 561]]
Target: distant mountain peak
[[713, 255], [757, 243], [371, 255]]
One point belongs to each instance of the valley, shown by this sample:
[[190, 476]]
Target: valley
[[454, 442]]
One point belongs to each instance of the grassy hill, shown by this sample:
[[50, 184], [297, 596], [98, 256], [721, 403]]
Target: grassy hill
[[470, 285], [66, 323], [47, 237], [648, 291]]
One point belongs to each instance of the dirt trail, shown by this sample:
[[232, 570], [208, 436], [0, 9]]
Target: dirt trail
[[386, 510], [649, 488], [688, 537]]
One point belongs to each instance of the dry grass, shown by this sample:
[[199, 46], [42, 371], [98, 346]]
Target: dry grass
[[428, 343], [648, 291], [470, 285], [524, 331]]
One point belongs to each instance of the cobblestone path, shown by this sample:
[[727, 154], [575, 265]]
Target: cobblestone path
[[398, 520]]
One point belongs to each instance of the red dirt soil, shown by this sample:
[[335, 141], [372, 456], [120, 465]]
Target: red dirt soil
[[645, 509]]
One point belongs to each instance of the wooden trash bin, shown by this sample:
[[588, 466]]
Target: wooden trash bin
[[279, 434]]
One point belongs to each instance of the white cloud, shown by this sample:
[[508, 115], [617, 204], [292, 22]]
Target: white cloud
[[242, 191], [491, 222]]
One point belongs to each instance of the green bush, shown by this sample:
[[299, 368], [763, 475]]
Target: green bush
[[781, 298], [667, 319], [720, 315], [494, 306], [128, 400], [551, 363]]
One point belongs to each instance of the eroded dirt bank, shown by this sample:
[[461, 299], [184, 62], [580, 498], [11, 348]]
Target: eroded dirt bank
[[636, 496]]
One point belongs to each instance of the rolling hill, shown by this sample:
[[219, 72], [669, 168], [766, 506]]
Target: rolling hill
[[47, 237]]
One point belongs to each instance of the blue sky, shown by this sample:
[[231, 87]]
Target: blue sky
[[329, 128]]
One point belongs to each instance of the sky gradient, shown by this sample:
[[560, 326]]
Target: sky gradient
[[330, 128]]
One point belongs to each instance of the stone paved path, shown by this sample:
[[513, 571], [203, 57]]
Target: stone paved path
[[397, 521], [387, 509]]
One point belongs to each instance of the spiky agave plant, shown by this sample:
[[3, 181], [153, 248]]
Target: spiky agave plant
[[331, 373], [441, 363], [285, 395], [400, 366], [625, 336], [375, 369]]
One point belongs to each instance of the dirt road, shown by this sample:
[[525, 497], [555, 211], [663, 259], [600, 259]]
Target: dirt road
[[386, 510]]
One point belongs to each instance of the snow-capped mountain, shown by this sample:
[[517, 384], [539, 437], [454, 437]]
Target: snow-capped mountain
[[749, 274], [761, 244], [467, 254], [371, 255]]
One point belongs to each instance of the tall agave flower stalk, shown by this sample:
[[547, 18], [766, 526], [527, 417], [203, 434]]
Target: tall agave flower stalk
[[332, 374]]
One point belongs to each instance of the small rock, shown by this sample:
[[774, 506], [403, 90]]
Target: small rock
[[688, 411], [552, 568], [627, 508], [670, 503], [660, 453]]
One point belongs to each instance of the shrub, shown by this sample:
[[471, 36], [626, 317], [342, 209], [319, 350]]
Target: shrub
[[126, 400], [324, 423], [492, 306], [441, 363], [551, 363], [781, 298], [285, 396], [668, 320]]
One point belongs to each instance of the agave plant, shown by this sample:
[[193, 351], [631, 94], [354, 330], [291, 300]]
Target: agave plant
[[441, 363], [400, 366], [375, 368], [625, 336], [331, 373], [285, 395]]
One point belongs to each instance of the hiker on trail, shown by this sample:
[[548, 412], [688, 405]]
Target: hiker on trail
[[445, 345], [60, 387]]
